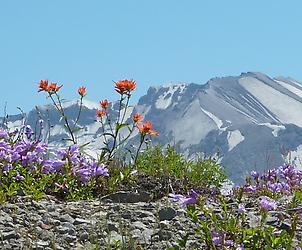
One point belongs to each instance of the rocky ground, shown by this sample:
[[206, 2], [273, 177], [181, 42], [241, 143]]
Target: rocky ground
[[120, 219], [53, 224]]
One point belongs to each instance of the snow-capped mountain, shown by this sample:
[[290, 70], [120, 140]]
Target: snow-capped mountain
[[251, 120]]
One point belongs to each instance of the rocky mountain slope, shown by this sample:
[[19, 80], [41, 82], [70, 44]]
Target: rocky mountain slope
[[251, 120]]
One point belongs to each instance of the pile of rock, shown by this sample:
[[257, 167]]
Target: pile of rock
[[53, 224], [122, 219]]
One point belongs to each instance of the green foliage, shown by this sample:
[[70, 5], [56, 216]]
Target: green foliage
[[159, 162]]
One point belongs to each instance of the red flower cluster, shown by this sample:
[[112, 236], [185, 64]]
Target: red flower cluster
[[104, 105], [125, 86], [147, 129], [101, 112], [50, 88]]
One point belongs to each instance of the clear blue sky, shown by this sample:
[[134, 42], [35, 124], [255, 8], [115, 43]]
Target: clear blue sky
[[94, 42]]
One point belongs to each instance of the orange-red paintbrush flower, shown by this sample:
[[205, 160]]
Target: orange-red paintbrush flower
[[101, 112], [104, 103], [125, 86], [82, 91], [43, 85], [137, 117]]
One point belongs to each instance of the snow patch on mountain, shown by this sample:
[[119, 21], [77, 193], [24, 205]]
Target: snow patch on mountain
[[86, 103], [214, 118], [275, 128], [291, 88], [15, 124], [234, 138], [296, 157], [165, 100], [193, 125], [274, 100]]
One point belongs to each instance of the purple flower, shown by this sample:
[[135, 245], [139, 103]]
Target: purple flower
[[241, 208], [274, 187], [3, 134], [57, 164], [250, 189], [217, 240], [28, 132], [267, 203], [184, 201], [229, 242], [240, 247], [255, 174], [19, 177], [101, 170]]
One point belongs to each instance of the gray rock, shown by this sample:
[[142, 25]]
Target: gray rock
[[167, 213], [42, 244], [84, 236], [69, 238], [128, 197], [62, 230], [66, 218], [112, 226], [10, 235], [78, 221]]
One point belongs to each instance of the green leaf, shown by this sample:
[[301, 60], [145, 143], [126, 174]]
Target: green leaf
[[84, 145], [119, 126]]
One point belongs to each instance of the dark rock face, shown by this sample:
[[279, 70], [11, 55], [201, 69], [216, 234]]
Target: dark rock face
[[251, 120]]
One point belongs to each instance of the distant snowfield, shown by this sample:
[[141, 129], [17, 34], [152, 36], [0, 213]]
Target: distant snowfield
[[275, 128], [274, 100], [193, 126], [296, 157], [234, 138], [163, 101], [86, 103], [291, 88]]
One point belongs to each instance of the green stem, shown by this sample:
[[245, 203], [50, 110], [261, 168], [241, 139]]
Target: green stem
[[79, 113], [61, 111], [139, 147]]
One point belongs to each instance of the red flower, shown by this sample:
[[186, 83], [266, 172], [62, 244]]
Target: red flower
[[53, 87], [147, 129], [101, 112], [137, 117], [43, 85], [82, 91], [104, 103], [125, 86]]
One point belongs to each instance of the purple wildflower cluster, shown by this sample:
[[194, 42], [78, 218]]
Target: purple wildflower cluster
[[267, 203], [19, 147], [283, 180], [71, 161], [185, 200], [29, 153], [219, 239]]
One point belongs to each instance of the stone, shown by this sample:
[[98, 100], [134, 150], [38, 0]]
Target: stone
[[78, 221], [112, 227], [128, 197], [167, 213], [69, 238], [84, 236], [66, 218], [10, 235]]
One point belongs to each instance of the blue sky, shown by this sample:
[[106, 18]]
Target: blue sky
[[96, 42]]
